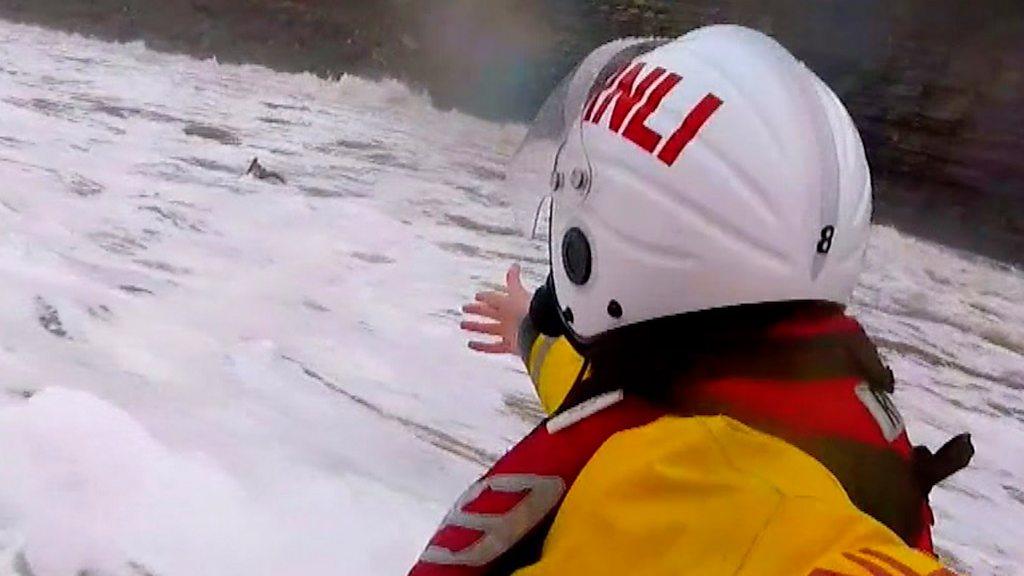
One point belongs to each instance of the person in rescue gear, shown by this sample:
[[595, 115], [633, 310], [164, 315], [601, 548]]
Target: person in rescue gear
[[712, 408]]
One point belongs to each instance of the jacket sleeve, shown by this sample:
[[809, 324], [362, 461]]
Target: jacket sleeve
[[553, 364]]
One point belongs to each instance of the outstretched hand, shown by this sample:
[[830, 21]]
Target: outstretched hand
[[506, 309]]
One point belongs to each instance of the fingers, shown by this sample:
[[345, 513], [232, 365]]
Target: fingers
[[513, 279], [492, 328], [495, 305], [492, 299], [489, 347], [479, 309]]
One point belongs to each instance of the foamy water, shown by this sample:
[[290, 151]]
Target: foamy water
[[202, 373]]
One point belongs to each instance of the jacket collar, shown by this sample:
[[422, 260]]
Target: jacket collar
[[798, 341]]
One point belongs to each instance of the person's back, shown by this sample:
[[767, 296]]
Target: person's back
[[713, 411], [768, 449], [710, 496]]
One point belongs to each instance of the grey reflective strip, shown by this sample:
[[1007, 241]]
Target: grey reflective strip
[[882, 409], [537, 362], [583, 411], [501, 531]]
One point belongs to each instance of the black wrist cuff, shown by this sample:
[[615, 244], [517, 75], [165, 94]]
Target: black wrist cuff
[[544, 313]]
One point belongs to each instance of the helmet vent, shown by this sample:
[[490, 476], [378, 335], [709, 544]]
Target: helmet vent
[[576, 256]]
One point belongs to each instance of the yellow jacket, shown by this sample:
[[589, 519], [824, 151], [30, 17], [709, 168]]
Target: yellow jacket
[[708, 496]]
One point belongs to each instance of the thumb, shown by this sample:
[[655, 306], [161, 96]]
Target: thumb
[[512, 278]]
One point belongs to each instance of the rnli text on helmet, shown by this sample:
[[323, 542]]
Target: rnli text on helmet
[[628, 97]]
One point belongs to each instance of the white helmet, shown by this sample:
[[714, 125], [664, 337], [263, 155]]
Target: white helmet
[[709, 171]]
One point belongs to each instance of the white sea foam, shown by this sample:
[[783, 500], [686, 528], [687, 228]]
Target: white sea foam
[[208, 374]]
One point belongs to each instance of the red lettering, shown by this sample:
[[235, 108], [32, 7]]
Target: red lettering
[[900, 567], [627, 79], [625, 93], [608, 85], [875, 569], [869, 566], [629, 97], [688, 130], [637, 131]]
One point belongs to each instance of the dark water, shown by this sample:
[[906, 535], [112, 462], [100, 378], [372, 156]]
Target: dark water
[[937, 86]]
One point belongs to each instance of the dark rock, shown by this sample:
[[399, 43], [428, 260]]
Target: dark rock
[[256, 170]]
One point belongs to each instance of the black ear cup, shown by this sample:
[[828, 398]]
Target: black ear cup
[[577, 257]]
